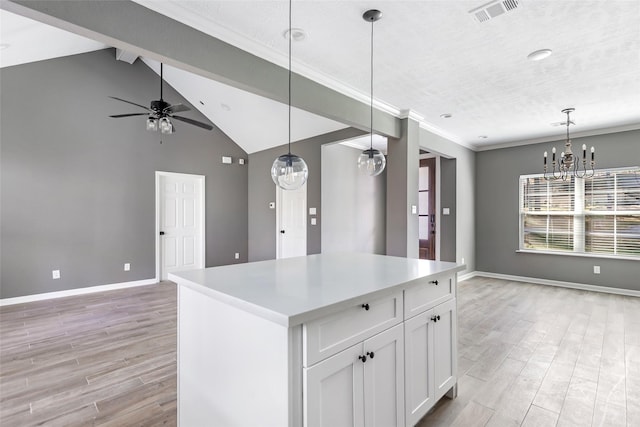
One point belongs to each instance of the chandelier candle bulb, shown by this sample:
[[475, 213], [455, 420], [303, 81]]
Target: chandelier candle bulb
[[584, 152], [593, 152], [553, 153], [545, 158]]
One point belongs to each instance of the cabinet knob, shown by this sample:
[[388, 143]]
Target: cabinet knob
[[365, 306], [370, 354], [435, 282], [363, 358], [435, 318]]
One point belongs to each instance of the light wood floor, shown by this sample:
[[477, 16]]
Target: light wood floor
[[528, 355], [106, 359]]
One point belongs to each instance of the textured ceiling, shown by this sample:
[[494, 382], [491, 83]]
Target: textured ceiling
[[433, 57]]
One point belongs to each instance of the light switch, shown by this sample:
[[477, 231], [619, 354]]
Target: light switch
[[446, 211], [312, 211], [314, 221], [241, 161], [226, 160]]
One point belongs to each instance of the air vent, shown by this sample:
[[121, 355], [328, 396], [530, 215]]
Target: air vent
[[493, 9]]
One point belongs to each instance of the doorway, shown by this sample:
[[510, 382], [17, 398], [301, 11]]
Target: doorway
[[291, 222], [180, 222], [427, 209]]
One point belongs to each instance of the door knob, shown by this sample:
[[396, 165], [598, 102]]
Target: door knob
[[162, 233]]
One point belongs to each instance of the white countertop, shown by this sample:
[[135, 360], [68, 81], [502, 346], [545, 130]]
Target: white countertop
[[295, 290]]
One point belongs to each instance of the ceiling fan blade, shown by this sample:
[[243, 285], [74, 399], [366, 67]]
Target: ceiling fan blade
[[193, 122], [176, 108], [129, 102], [129, 115]]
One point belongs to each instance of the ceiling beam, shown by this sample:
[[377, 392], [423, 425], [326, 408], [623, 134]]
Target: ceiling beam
[[131, 27]]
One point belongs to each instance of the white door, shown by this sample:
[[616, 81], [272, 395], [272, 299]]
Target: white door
[[180, 219], [291, 222], [384, 379], [334, 391]]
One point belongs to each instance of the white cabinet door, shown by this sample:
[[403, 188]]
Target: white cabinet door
[[419, 366], [384, 379], [444, 339], [334, 391]]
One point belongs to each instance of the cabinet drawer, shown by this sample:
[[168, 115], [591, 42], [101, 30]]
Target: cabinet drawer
[[328, 335], [426, 294]]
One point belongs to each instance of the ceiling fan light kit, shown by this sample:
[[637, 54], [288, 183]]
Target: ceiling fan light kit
[[289, 171], [161, 112], [371, 162]]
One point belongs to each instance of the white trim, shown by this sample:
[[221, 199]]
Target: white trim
[[558, 283], [578, 254], [467, 276], [203, 217], [73, 292], [555, 138]]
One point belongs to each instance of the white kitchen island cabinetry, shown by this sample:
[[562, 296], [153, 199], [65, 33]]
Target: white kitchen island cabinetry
[[323, 340]]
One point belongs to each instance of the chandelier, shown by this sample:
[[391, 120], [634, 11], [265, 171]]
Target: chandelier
[[569, 163]]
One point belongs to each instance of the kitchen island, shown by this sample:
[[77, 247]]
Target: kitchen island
[[322, 340]]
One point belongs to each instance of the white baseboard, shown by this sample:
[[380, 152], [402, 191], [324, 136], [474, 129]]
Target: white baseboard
[[558, 283], [79, 291]]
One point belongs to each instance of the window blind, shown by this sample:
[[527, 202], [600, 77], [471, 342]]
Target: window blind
[[600, 215]]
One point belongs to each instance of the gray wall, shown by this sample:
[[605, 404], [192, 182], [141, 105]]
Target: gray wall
[[353, 204], [448, 200], [78, 187], [262, 190], [465, 194], [498, 172]]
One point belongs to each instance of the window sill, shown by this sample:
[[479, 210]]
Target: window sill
[[580, 255]]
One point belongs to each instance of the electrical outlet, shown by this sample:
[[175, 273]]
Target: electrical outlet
[[55, 274], [596, 269], [127, 266], [414, 209], [237, 255]]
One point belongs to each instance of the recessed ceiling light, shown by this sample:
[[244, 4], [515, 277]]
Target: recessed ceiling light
[[225, 107], [446, 115], [483, 136], [3, 46], [201, 103], [539, 55], [297, 34]]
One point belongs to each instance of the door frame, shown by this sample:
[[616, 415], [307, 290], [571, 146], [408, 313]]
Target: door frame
[[203, 209], [279, 193]]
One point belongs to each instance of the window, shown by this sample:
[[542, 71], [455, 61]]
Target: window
[[599, 216]]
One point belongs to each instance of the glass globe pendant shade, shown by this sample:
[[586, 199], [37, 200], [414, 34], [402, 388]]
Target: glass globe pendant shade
[[371, 162], [165, 125], [152, 124], [289, 172]]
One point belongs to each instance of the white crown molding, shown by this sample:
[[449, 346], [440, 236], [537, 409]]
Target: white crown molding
[[446, 135], [592, 132], [73, 292], [557, 283]]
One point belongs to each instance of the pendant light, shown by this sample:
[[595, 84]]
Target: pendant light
[[371, 161], [289, 171]]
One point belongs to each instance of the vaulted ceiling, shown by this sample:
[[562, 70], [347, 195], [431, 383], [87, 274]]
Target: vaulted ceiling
[[435, 58]]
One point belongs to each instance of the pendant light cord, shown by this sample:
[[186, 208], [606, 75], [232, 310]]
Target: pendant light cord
[[371, 118], [290, 1]]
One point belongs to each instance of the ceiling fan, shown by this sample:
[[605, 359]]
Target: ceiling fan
[[160, 112]]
